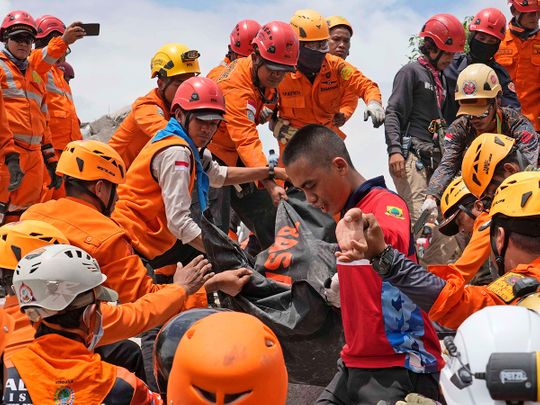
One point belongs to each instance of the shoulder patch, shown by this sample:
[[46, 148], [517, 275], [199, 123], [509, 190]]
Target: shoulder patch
[[392, 211], [160, 111], [251, 110], [503, 287], [346, 72]]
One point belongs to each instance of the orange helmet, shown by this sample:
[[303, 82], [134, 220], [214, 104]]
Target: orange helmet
[[338, 21], [455, 196], [90, 160], [481, 159], [19, 238], [310, 25], [228, 357]]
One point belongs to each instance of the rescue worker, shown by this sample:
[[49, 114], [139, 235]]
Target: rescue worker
[[486, 31], [120, 321], [25, 103], [249, 86], [478, 92], [7, 148], [63, 121], [69, 72], [458, 209], [154, 202], [519, 54], [514, 231], [59, 365], [257, 377], [240, 45], [325, 89], [341, 32], [391, 347], [172, 64], [413, 120]]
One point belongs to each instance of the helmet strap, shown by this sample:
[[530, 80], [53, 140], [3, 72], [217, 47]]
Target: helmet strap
[[499, 256]]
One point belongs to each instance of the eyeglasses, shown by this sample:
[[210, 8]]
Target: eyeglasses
[[22, 38], [321, 46]]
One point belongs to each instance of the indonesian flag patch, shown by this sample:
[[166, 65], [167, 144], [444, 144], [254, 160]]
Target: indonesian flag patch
[[251, 110], [181, 166]]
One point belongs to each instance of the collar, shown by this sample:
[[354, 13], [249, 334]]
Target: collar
[[534, 263], [362, 191], [83, 202]]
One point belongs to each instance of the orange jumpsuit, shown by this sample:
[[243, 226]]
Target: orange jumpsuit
[[219, 69], [148, 115], [7, 146], [336, 88], [119, 321], [237, 138], [457, 301], [6, 329], [25, 102], [57, 370], [140, 209], [522, 61], [101, 237]]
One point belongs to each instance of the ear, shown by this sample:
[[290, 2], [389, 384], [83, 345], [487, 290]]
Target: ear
[[499, 238], [340, 165], [511, 168], [179, 115], [478, 206], [160, 83]]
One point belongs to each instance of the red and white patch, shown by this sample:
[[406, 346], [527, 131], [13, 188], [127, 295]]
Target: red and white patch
[[181, 166], [251, 109], [448, 136], [469, 88], [25, 294]]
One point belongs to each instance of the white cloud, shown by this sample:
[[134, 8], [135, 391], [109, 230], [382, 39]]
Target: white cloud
[[113, 69]]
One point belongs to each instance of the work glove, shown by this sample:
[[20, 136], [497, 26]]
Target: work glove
[[15, 173], [375, 110], [283, 132], [417, 399], [56, 180], [265, 114], [429, 204], [332, 292]]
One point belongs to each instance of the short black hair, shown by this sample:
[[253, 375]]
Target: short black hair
[[514, 157], [318, 143]]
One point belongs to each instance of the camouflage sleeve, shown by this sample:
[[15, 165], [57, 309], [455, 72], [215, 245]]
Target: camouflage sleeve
[[454, 147], [523, 131]]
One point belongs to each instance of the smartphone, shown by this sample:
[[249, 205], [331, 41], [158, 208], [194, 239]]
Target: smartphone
[[92, 29]]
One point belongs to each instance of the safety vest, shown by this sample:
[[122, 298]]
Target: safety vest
[[25, 103], [140, 209]]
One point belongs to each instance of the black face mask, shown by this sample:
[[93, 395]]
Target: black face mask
[[310, 61], [481, 52]]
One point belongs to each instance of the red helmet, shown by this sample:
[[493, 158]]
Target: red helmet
[[525, 6], [47, 24], [278, 44], [446, 31], [489, 21], [18, 21], [69, 72], [201, 96], [242, 36]]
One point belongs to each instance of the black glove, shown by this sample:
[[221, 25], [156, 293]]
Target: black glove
[[56, 180], [15, 173]]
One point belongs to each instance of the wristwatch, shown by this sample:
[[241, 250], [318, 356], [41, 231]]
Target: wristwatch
[[382, 263]]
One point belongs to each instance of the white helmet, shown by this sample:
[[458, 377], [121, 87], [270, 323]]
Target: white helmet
[[508, 329], [47, 280]]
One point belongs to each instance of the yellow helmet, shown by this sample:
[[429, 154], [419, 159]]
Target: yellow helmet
[[309, 25], [455, 194], [531, 301], [481, 159], [19, 238], [518, 196], [175, 59], [336, 20], [91, 160], [476, 84]]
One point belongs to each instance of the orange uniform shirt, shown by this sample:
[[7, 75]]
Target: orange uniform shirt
[[216, 72], [335, 89], [101, 237], [149, 114], [457, 301], [140, 209], [237, 138], [6, 136], [522, 61], [56, 370]]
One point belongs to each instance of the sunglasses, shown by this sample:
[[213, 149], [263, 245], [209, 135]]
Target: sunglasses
[[321, 46], [22, 39]]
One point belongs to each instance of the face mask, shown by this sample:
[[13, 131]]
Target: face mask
[[310, 61], [481, 52]]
